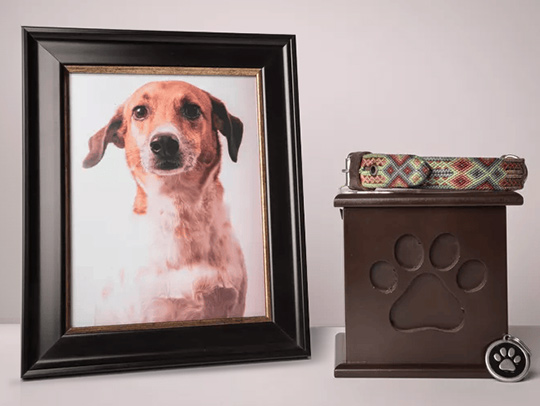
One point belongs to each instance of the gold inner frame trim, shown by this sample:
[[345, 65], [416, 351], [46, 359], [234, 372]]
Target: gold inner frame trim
[[186, 71], [168, 324], [164, 70]]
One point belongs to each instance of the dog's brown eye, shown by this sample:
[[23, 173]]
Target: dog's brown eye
[[140, 112], [191, 111]]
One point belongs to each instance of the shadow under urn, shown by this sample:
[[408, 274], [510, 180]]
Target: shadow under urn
[[425, 282]]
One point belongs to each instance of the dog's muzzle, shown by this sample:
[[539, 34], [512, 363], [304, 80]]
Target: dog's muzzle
[[166, 150]]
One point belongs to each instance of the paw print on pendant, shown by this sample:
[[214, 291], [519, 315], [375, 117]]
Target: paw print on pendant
[[427, 302], [508, 360]]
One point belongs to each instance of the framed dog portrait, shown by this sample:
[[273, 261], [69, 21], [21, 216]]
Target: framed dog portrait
[[163, 201]]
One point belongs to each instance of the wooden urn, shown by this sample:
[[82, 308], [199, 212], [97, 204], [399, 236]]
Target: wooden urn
[[425, 282]]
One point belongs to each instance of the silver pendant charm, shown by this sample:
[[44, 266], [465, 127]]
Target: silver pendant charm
[[509, 359]]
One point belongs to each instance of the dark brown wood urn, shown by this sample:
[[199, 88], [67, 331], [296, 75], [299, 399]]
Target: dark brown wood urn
[[425, 282]]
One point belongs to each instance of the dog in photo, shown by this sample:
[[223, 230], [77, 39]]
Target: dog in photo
[[170, 131]]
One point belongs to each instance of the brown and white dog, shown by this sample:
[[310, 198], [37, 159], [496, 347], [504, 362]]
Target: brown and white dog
[[170, 134]]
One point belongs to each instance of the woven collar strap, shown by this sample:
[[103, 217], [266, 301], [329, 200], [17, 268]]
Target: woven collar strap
[[411, 171]]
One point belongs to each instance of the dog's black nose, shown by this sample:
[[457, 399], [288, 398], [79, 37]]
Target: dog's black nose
[[164, 146]]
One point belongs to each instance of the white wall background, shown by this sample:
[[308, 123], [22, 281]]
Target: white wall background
[[422, 76]]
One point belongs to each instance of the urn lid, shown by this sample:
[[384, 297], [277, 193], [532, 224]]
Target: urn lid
[[425, 198]]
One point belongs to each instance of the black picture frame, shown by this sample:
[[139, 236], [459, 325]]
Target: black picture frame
[[47, 351]]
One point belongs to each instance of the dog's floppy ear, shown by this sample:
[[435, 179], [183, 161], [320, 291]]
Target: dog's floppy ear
[[99, 141], [230, 126]]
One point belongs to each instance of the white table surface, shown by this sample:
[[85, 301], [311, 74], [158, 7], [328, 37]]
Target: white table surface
[[306, 382]]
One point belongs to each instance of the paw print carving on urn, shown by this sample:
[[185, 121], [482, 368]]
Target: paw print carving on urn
[[428, 301]]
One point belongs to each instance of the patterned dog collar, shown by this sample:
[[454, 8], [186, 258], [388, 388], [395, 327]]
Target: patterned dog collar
[[367, 171]]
